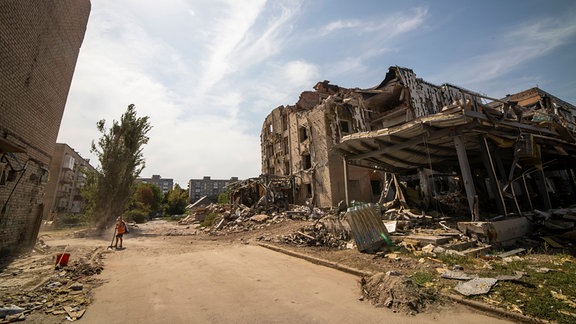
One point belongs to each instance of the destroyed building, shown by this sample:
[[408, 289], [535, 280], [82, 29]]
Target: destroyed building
[[39, 46], [503, 155]]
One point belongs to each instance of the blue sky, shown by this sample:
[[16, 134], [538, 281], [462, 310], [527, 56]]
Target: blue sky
[[207, 72]]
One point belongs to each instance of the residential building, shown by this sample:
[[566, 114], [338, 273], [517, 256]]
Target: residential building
[[164, 184], [40, 45], [198, 188], [340, 144], [67, 177]]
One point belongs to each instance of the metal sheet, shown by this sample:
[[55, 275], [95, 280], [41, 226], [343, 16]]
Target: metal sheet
[[367, 228]]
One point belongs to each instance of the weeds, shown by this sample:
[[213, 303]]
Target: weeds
[[209, 220]]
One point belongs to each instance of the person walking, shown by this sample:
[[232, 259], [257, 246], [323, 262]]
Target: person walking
[[121, 229]]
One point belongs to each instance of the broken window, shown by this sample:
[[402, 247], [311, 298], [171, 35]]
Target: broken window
[[344, 127], [302, 134], [285, 145], [306, 161], [286, 168], [284, 122], [308, 190], [269, 150]]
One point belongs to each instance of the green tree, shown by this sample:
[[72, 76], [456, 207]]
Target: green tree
[[177, 200], [147, 197], [119, 152]]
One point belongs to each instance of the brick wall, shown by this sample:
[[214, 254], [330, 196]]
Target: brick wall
[[39, 45]]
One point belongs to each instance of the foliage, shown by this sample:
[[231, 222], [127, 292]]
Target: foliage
[[147, 198], [209, 220], [137, 216], [223, 198], [422, 278], [121, 158], [545, 291], [71, 219], [176, 201]]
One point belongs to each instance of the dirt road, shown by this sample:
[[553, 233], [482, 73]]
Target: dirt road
[[167, 279]]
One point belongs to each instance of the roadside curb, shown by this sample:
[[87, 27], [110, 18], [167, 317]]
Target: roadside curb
[[360, 273], [335, 265]]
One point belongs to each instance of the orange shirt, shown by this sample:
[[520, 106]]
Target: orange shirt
[[121, 227]]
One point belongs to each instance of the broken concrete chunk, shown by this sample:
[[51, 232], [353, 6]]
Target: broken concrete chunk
[[259, 218], [497, 232], [476, 286], [77, 286], [457, 275], [11, 310], [516, 276]]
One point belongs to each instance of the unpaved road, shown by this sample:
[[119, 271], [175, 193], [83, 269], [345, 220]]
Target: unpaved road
[[177, 279]]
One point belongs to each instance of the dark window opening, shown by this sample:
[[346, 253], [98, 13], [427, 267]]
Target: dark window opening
[[376, 186], [344, 127], [306, 161], [308, 188], [284, 122], [303, 134]]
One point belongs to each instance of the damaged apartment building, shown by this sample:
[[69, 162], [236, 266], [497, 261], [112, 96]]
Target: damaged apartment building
[[503, 155]]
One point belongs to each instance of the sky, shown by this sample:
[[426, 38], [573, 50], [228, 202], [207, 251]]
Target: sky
[[208, 72]]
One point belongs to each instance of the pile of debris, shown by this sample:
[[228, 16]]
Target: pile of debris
[[397, 292], [221, 219], [329, 231], [36, 283]]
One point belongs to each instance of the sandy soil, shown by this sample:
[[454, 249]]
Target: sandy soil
[[174, 273]]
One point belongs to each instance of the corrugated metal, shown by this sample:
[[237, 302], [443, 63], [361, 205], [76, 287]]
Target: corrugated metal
[[367, 228]]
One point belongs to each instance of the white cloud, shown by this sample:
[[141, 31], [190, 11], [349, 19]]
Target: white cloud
[[388, 26], [514, 48]]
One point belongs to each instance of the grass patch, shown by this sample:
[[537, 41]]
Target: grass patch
[[546, 291], [423, 278], [209, 220]]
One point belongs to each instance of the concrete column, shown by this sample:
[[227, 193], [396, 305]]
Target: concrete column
[[466, 175]]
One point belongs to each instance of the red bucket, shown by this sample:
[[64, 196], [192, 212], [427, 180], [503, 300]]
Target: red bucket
[[62, 259]]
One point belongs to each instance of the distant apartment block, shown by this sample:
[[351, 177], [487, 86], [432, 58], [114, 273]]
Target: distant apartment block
[[164, 184], [198, 188], [39, 46], [66, 180]]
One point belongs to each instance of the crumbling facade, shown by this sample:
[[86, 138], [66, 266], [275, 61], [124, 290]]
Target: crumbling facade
[[504, 155], [67, 177], [39, 46], [298, 141]]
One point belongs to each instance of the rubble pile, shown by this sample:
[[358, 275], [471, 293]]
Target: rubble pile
[[394, 291], [328, 231], [35, 284]]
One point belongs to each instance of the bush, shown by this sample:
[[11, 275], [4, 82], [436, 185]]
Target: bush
[[71, 220], [209, 220], [137, 216], [223, 198]]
